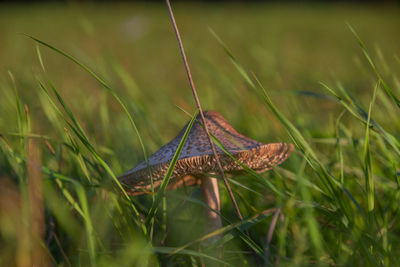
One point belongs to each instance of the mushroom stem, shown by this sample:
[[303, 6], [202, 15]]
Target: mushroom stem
[[210, 196]]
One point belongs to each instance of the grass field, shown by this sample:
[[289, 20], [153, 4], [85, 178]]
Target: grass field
[[296, 73]]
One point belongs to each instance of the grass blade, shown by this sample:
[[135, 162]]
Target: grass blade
[[395, 99], [369, 180], [169, 250], [168, 174], [104, 84], [242, 225]]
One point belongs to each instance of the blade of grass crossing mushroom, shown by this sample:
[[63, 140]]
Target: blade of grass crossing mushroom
[[395, 99], [247, 169], [196, 98], [219, 144], [369, 180], [168, 174]]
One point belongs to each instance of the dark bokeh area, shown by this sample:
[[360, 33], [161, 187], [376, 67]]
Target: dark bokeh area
[[208, 1]]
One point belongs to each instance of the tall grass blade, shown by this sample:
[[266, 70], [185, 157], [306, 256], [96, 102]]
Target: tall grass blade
[[395, 99], [357, 111], [309, 217], [247, 169], [339, 150], [163, 186], [330, 183], [18, 107], [369, 180], [104, 84], [88, 145]]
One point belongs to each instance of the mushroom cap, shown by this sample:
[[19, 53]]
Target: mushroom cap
[[197, 159]]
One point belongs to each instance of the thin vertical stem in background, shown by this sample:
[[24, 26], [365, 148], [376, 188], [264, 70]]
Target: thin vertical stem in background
[[269, 236], [36, 224], [171, 14]]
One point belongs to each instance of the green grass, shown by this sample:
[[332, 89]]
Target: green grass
[[103, 86]]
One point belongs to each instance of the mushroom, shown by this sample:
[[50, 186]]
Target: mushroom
[[197, 161]]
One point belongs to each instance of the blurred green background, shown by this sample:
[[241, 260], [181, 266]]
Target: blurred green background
[[289, 47]]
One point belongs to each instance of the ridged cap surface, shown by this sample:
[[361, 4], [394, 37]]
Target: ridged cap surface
[[197, 159]]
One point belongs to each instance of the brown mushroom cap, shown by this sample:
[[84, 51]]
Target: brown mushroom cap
[[197, 159]]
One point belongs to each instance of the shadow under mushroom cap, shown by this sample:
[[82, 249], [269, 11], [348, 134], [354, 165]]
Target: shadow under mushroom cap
[[197, 159]]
